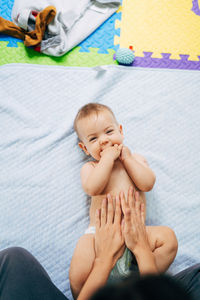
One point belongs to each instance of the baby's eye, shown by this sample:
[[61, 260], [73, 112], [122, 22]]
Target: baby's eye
[[109, 131], [92, 139]]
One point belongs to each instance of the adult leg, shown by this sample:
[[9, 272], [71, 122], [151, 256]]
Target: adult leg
[[23, 278], [190, 278]]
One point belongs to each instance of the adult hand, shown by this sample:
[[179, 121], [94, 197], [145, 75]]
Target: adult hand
[[135, 234], [109, 246], [134, 229], [109, 240], [113, 152]]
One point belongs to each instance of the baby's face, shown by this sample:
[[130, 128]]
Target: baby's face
[[97, 132]]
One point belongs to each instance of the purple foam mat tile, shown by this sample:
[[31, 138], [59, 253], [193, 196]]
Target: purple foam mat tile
[[195, 7], [165, 62]]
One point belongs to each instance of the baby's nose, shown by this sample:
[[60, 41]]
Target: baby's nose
[[104, 140]]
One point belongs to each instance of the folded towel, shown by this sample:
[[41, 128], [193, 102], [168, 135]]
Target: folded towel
[[73, 22]]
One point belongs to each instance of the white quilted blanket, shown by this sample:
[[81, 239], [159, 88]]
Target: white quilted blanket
[[42, 205]]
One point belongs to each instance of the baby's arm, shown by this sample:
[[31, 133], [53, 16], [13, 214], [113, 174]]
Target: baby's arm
[[95, 178], [138, 170]]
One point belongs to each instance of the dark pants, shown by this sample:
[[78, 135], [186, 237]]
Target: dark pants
[[190, 278], [23, 278]]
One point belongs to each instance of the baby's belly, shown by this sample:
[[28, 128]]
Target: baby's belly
[[119, 181], [97, 200]]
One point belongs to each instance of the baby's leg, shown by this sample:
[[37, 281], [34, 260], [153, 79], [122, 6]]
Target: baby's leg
[[81, 263], [163, 244]]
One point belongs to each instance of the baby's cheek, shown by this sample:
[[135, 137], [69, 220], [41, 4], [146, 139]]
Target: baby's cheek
[[119, 141]]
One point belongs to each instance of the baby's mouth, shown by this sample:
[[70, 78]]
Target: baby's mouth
[[103, 148]]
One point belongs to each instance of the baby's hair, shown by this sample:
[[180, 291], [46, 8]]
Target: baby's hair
[[88, 110]]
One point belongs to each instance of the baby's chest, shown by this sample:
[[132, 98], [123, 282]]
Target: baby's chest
[[119, 179]]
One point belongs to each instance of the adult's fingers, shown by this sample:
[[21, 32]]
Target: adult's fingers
[[110, 211], [118, 211], [97, 219], [124, 205], [143, 213], [131, 198], [139, 207], [104, 212], [127, 226], [137, 204]]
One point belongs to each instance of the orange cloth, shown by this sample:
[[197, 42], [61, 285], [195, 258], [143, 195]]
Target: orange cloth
[[35, 36]]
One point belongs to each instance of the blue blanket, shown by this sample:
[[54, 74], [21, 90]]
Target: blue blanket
[[43, 207]]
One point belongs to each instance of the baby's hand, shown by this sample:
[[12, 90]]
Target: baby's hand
[[112, 152], [125, 153]]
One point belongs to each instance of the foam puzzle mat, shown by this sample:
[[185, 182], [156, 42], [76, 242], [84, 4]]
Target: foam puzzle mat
[[164, 34]]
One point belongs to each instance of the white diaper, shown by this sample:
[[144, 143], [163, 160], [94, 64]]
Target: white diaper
[[90, 229]]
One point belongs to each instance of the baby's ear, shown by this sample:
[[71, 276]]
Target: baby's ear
[[83, 147], [121, 130]]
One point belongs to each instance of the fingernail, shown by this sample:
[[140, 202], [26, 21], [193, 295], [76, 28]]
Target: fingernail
[[104, 201]]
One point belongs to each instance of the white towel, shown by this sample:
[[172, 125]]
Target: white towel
[[74, 20]]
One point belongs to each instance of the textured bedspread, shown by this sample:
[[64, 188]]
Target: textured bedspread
[[42, 205]]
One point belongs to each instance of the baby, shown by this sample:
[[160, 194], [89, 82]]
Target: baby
[[113, 169]]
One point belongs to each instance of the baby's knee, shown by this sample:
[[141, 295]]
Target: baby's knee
[[170, 239]]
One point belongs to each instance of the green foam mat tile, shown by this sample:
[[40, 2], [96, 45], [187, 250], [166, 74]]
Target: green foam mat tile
[[21, 54]]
